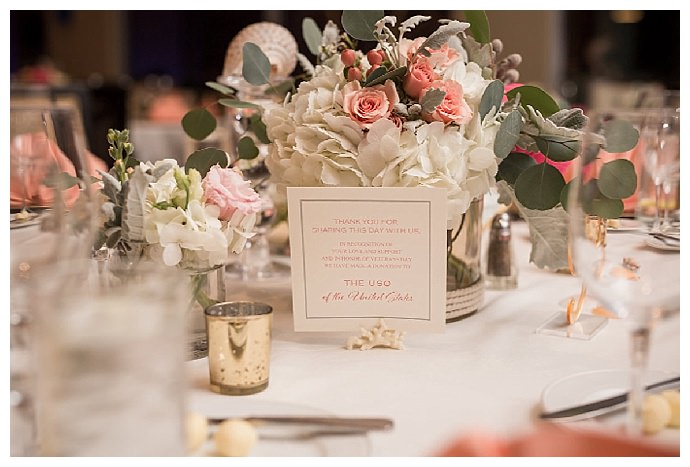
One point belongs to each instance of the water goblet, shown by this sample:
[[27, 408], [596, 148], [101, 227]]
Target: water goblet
[[632, 280]]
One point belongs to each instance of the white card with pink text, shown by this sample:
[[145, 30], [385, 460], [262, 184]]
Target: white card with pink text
[[361, 254]]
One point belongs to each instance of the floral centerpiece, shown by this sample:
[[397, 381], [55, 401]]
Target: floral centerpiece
[[191, 217], [439, 111]]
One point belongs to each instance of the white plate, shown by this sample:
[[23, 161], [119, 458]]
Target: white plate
[[590, 386], [33, 219], [276, 441], [627, 225], [661, 245]]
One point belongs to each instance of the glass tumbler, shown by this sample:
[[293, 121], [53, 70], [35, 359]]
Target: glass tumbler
[[109, 361]]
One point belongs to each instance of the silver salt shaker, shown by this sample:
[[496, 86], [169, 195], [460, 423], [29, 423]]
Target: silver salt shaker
[[500, 271]]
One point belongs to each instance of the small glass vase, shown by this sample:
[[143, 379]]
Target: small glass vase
[[208, 288], [464, 283]]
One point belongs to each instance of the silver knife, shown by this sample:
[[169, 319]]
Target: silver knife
[[603, 406], [336, 424]]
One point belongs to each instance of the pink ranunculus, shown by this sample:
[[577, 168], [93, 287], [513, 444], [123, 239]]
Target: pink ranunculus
[[367, 105], [453, 109], [420, 74], [227, 189]]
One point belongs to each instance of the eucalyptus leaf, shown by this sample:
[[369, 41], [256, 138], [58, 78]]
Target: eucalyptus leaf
[[237, 104], [374, 75], [617, 179], [221, 88], [246, 149], [198, 124], [479, 25], [607, 208], [493, 95], [389, 75], [508, 134], [539, 187], [312, 35], [513, 165], [432, 98], [565, 192], [203, 159], [282, 88], [61, 180], [361, 24], [621, 136], [558, 148], [256, 69], [257, 126], [536, 97]]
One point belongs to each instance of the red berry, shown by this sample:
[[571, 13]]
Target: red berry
[[374, 57], [354, 74], [347, 56]]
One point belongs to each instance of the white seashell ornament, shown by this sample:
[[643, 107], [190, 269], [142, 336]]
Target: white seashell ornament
[[276, 42]]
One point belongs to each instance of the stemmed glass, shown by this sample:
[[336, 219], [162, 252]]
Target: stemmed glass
[[632, 280], [660, 133]]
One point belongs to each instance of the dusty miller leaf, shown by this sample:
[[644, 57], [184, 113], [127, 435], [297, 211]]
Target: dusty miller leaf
[[441, 36], [548, 232], [133, 209], [432, 98]]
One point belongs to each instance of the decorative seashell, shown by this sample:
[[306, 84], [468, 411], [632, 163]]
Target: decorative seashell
[[276, 42]]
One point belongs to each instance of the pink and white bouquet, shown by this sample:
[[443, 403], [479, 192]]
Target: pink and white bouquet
[[405, 114], [190, 217]]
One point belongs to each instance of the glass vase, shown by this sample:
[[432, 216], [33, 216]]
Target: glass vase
[[208, 288], [464, 282]]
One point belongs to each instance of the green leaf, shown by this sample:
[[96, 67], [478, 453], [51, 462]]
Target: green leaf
[[607, 208], [374, 75], [539, 187], [361, 24], [432, 98], [493, 95], [558, 148], [621, 136], [132, 162], [221, 88], [237, 104], [257, 126], [382, 78], [60, 180], [282, 88], [617, 179], [312, 35], [536, 97], [508, 134], [565, 192], [479, 25], [198, 123], [513, 165], [203, 159], [256, 69], [246, 149]]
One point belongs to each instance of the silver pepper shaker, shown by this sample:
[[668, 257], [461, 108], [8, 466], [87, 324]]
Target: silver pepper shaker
[[500, 271]]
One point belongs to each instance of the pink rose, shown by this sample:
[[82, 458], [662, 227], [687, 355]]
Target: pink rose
[[230, 192], [453, 109], [367, 105], [420, 75]]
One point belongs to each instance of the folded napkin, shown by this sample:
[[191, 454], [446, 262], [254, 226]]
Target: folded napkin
[[41, 154], [548, 440]]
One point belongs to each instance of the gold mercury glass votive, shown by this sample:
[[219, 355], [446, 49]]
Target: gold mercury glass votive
[[239, 346]]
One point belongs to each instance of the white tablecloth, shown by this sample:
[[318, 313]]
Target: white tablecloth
[[484, 373]]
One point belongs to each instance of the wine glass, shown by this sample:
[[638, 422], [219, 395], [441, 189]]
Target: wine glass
[[660, 133], [631, 279]]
